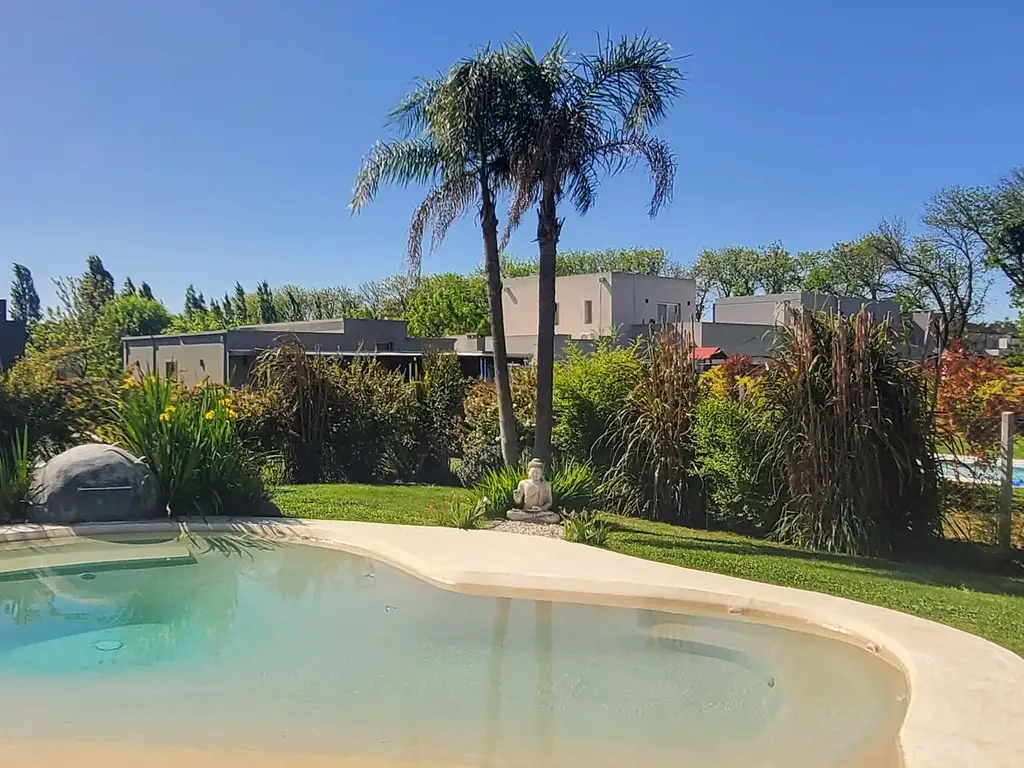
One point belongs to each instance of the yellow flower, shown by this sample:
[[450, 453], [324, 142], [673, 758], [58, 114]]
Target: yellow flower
[[165, 416], [231, 414], [171, 408], [208, 415], [226, 401]]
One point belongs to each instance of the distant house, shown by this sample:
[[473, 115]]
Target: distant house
[[227, 356], [13, 337], [707, 357]]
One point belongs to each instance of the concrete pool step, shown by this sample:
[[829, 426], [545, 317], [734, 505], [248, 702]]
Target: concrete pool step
[[51, 557]]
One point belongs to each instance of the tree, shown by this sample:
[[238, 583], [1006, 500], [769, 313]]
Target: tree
[[454, 140], [25, 305], [145, 291], [777, 270], [387, 299], [987, 218], [265, 308], [579, 117], [945, 264], [128, 289], [120, 317], [241, 306], [729, 271], [97, 285], [449, 304], [195, 304], [640, 261]]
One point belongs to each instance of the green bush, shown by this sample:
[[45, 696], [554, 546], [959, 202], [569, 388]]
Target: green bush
[[56, 412], [653, 472], [589, 391], [357, 422], [481, 451], [189, 441], [854, 442], [462, 515], [15, 478], [586, 528], [731, 436]]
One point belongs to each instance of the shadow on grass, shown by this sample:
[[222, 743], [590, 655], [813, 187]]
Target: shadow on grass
[[963, 565]]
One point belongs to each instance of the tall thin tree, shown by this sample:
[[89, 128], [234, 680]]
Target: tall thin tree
[[25, 305], [582, 117], [454, 141]]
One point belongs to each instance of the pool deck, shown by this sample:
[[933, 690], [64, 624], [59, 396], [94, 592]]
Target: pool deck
[[966, 704]]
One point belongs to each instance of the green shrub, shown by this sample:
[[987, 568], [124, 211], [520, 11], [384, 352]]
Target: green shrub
[[653, 473], [189, 441], [574, 485], [357, 422], [57, 413], [854, 441], [481, 451], [589, 391], [497, 487], [586, 528], [462, 515], [15, 478], [731, 436]]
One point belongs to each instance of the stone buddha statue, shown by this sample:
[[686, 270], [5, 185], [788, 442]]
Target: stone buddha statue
[[533, 494]]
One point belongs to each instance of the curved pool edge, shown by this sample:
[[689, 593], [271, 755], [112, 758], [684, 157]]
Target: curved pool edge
[[965, 692]]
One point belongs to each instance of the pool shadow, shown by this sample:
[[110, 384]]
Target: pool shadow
[[959, 565]]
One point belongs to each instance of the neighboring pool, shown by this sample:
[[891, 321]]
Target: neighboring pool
[[237, 643], [990, 475]]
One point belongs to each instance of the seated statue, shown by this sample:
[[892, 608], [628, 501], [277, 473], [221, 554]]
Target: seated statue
[[534, 496]]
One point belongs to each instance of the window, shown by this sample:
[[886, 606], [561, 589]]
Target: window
[[668, 314], [171, 369], [588, 311], [385, 346], [556, 313]]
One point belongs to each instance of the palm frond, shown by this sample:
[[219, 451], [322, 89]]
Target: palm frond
[[442, 206], [402, 162]]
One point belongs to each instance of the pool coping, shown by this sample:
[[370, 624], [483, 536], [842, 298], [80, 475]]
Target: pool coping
[[966, 701]]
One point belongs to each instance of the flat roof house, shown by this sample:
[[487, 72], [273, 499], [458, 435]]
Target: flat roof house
[[227, 356], [13, 337]]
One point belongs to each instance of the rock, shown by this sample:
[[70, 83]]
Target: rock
[[94, 483]]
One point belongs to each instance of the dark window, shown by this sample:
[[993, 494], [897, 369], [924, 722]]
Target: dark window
[[385, 346], [588, 311], [171, 369], [556, 314]]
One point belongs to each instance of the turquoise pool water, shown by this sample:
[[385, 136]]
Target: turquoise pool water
[[980, 474], [228, 643]]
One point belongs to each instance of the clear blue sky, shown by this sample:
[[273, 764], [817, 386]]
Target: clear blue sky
[[204, 141]]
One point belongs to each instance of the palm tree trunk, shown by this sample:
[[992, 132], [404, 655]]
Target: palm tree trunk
[[548, 228], [492, 266]]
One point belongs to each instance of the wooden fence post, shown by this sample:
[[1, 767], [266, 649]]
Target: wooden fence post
[[1006, 491]]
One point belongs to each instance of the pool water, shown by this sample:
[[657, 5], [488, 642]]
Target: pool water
[[990, 475], [235, 643]]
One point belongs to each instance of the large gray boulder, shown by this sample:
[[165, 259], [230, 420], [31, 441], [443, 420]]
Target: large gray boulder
[[93, 483]]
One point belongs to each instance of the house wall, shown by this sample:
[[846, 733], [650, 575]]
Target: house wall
[[195, 358], [12, 338], [635, 298], [753, 340], [617, 300], [772, 309]]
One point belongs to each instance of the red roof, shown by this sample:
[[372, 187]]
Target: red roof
[[708, 353]]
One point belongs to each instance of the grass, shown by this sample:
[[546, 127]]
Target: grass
[[991, 606]]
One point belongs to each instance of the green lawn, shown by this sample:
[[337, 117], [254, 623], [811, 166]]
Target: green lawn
[[987, 605]]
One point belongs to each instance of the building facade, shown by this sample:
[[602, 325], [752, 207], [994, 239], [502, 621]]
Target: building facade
[[13, 338], [601, 304], [227, 357]]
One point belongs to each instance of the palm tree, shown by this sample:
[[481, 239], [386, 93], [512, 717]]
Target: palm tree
[[453, 140], [580, 117]]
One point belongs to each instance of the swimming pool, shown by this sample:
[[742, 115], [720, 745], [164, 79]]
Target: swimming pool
[[967, 470], [230, 643]]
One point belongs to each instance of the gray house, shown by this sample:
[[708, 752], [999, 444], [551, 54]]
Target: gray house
[[13, 337], [227, 356]]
